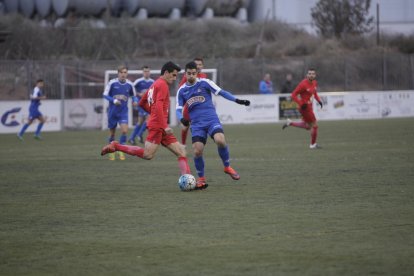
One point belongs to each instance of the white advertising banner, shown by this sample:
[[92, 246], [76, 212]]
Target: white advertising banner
[[83, 113], [396, 104], [263, 109], [14, 114], [333, 106], [362, 105]]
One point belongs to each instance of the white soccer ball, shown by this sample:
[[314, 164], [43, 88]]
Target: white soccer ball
[[187, 182]]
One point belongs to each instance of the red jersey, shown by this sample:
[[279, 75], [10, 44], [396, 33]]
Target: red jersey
[[156, 101], [305, 91], [199, 75]]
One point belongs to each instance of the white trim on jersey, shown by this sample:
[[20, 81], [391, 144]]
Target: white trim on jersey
[[36, 93], [108, 86]]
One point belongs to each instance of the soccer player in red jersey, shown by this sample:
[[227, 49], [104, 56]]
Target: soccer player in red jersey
[[200, 65], [156, 101], [303, 95]]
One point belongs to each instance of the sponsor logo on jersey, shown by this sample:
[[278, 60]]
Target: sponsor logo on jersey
[[196, 99]]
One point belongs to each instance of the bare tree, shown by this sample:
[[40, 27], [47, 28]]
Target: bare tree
[[340, 17]]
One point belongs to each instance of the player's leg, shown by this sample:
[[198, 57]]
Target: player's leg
[[123, 138], [134, 133], [199, 139], [217, 134], [175, 147], [184, 130], [24, 128], [314, 135], [142, 128], [112, 124], [39, 126]]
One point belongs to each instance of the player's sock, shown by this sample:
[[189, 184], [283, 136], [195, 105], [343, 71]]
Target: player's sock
[[23, 130], [134, 133], [131, 150], [110, 139], [300, 125], [142, 128], [123, 139], [39, 128], [314, 134], [199, 164], [183, 164], [224, 155], [184, 133]]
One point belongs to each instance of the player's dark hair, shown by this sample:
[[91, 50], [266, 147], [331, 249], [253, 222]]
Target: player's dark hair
[[191, 65], [198, 59], [170, 67], [39, 80], [145, 67], [312, 69]]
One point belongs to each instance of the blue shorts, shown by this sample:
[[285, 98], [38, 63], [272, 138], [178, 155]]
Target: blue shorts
[[34, 113], [115, 117], [201, 131], [142, 112]]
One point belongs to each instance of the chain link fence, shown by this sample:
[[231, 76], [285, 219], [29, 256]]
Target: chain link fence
[[85, 79]]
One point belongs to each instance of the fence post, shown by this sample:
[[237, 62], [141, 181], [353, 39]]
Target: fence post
[[412, 70], [62, 95]]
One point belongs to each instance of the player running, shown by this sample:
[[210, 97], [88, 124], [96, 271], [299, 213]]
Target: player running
[[117, 92], [34, 112], [141, 86], [303, 95], [196, 94], [156, 101]]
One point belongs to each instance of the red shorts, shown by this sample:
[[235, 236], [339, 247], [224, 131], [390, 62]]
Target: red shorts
[[308, 115], [158, 136]]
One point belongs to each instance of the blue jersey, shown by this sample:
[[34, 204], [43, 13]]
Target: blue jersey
[[35, 103], [142, 85], [120, 91], [199, 100]]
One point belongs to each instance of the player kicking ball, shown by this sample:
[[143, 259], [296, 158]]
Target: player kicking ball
[[303, 95], [195, 96]]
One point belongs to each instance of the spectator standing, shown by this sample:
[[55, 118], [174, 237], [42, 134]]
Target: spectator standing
[[266, 85], [287, 87]]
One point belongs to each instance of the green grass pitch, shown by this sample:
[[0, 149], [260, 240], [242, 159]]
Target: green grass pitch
[[347, 209]]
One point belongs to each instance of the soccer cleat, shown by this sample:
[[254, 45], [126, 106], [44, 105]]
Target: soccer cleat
[[110, 148], [121, 155], [230, 171], [132, 141], [288, 122], [37, 137], [20, 137], [141, 139], [111, 156], [315, 146], [201, 183]]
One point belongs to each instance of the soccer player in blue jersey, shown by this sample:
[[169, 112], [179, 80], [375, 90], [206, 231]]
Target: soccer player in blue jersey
[[141, 86], [34, 112], [196, 96], [117, 92]]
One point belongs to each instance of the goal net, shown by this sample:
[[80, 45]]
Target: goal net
[[135, 74]]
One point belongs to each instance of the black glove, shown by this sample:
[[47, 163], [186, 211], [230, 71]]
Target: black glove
[[304, 106], [320, 103], [185, 122], [243, 102]]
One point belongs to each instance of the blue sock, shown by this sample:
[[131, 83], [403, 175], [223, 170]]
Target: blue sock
[[134, 133], [199, 164], [110, 139], [142, 129], [123, 139], [39, 128], [224, 155], [23, 129]]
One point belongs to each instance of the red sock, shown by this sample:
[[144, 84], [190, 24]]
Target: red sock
[[300, 124], [314, 134], [183, 164], [184, 136], [131, 150]]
